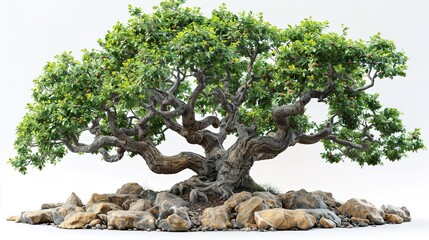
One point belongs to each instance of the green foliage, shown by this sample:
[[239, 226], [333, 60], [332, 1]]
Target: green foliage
[[136, 57]]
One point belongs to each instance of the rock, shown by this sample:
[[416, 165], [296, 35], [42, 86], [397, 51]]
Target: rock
[[140, 205], [327, 198], [51, 205], [60, 213], [402, 212], [327, 223], [103, 218], [216, 218], [236, 199], [118, 199], [245, 210], [95, 222], [154, 211], [359, 221], [38, 217], [77, 220], [149, 195], [360, 208], [301, 200], [12, 218], [393, 218], [176, 220], [74, 200], [324, 213], [175, 200], [103, 208], [272, 200], [130, 219], [130, 188], [284, 219]]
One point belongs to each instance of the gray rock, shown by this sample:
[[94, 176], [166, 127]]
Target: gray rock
[[166, 196], [301, 200], [130, 188], [149, 195], [74, 200], [51, 205], [324, 213], [140, 205], [176, 219], [327, 198], [60, 213], [272, 200], [38, 217], [403, 212]]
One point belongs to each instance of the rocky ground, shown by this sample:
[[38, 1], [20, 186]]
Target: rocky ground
[[134, 208]]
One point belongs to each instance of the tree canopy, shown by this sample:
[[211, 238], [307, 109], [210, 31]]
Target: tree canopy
[[177, 69]]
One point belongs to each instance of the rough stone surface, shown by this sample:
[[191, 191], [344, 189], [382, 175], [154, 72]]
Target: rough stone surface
[[403, 212], [393, 218], [103, 218], [175, 220], [74, 200], [130, 219], [166, 196], [272, 200], [60, 213], [140, 205], [327, 223], [327, 198], [301, 200], [118, 199], [149, 195], [12, 218], [78, 220], [130, 188], [95, 222], [51, 205], [284, 219], [324, 213], [359, 221], [218, 218], [361, 208], [236, 199], [103, 208], [245, 210], [38, 217]]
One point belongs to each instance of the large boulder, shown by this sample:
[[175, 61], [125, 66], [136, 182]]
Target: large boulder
[[74, 200], [301, 200], [236, 199], [140, 205], [218, 218], [361, 208], [403, 212], [38, 217], [284, 219], [176, 219], [118, 199], [77, 220], [60, 213], [166, 196], [245, 210], [103, 208], [327, 198], [272, 200], [324, 213], [131, 219], [130, 188]]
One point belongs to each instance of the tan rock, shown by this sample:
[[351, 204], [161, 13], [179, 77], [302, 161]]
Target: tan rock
[[403, 212], [216, 218], [177, 220], [77, 220], [247, 209], [326, 223], [301, 200], [140, 205], [393, 218], [118, 199], [38, 217], [236, 199], [327, 198], [356, 220], [361, 208], [272, 200], [103, 208], [130, 188], [60, 213], [94, 223], [74, 199], [284, 219], [154, 211], [12, 218], [131, 219]]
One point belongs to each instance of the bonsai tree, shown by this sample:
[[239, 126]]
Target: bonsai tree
[[207, 78]]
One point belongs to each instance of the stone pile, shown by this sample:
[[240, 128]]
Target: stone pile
[[132, 207]]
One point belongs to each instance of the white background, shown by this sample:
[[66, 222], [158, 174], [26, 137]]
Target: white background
[[32, 32]]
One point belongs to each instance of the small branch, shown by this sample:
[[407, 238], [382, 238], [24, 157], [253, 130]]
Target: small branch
[[370, 85], [335, 139]]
